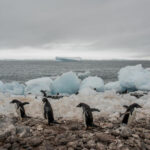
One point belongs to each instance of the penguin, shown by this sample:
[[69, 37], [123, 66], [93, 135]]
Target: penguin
[[20, 108], [87, 115], [48, 111], [44, 93], [50, 96], [129, 112]]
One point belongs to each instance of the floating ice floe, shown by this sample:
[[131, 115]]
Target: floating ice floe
[[36, 85], [93, 83], [134, 78], [67, 83]]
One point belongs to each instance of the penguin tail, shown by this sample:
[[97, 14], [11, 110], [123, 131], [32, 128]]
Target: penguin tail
[[94, 109]]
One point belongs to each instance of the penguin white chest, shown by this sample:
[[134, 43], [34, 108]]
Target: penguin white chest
[[18, 110], [84, 118]]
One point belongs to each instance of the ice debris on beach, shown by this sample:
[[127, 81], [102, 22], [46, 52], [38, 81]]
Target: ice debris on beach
[[36, 85], [13, 88], [130, 78], [110, 104], [113, 86], [93, 83], [134, 78], [67, 83]]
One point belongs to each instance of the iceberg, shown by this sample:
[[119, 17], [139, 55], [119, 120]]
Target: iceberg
[[93, 83], [67, 83], [68, 59], [134, 78], [36, 85]]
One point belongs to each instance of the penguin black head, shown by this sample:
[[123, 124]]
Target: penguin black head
[[45, 100], [83, 105], [14, 101], [80, 105]]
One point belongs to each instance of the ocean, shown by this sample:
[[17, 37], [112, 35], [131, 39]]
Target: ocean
[[22, 71]]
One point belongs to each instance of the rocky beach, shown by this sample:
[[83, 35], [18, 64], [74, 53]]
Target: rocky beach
[[35, 134]]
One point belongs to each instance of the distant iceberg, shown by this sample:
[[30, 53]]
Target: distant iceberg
[[68, 59]]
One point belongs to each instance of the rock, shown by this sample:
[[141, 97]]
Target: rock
[[103, 137], [7, 146], [125, 132], [91, 144], [124, 148], [4, 135], [135, 136], [147, 135], [62, 148], [74, 127], [35, 141], [23, 131], [72, 144], [70, 148], [100, 146], [115, 132], [113, 146], [15, 146], [39, 127]]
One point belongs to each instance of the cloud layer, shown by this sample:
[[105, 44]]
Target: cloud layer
[[103, 29]]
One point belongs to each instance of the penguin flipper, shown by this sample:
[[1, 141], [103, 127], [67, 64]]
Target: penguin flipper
[[25, 103], [94, 109], [125, 106]]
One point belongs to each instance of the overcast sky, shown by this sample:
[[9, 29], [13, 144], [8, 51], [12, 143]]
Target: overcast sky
[[91, 29]]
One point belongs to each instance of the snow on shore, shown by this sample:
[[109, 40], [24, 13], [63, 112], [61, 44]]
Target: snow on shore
[[108, 102]]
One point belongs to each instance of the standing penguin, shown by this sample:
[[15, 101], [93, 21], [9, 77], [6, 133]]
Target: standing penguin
[[129, 112], [87, 115], [20, 108], [48, 111]]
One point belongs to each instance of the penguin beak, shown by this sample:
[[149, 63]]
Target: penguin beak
[[78, 105]]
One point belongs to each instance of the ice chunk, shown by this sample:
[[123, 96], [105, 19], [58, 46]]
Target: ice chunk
[[13, 88], [113, 86], [67, 83], [87, 91], [36, 85], [134, 78], [83, 75], [93, 83]]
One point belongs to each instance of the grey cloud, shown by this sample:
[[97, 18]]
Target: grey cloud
[[104, 24]]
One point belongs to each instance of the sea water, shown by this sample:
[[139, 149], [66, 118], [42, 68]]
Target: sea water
[[23, 71]]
